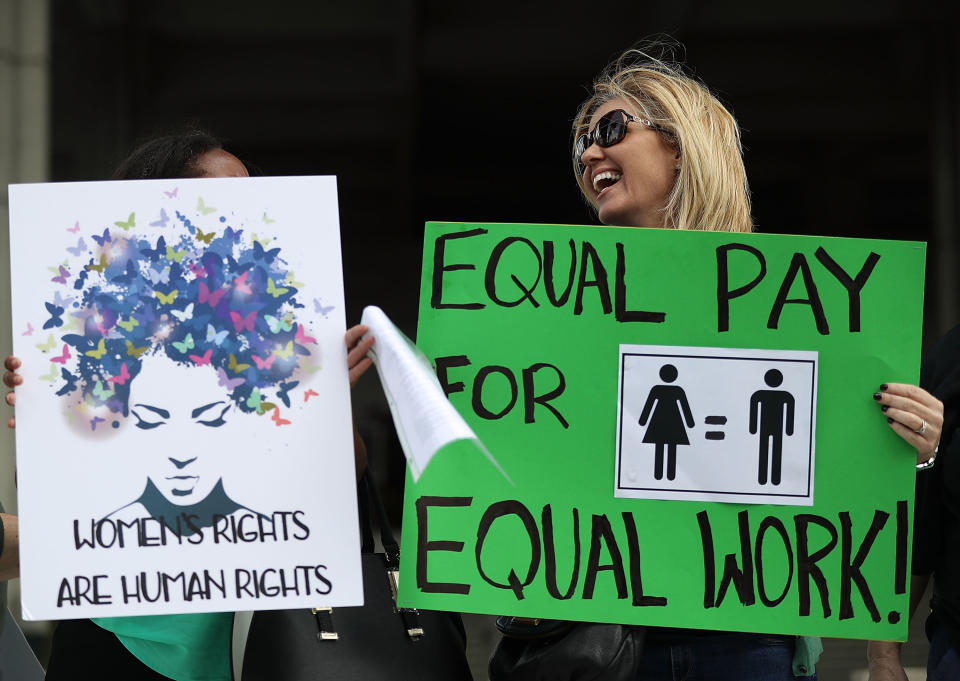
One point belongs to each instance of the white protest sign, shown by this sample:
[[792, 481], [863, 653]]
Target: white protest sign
[[716, 424], [183, 429]]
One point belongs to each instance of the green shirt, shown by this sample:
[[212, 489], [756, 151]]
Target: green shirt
[[192, 647]]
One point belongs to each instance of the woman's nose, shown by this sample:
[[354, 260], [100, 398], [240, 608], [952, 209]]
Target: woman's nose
[[592, 154]]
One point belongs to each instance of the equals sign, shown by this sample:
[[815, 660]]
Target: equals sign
[[715, 421]]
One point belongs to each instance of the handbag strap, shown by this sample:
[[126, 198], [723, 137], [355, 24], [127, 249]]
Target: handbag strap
[[363, 511], [371, 495], [372, 499]]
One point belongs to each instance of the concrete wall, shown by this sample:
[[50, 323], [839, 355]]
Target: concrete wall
[[24, 157]]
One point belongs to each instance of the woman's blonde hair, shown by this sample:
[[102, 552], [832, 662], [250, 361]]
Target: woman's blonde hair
[[710, 191]]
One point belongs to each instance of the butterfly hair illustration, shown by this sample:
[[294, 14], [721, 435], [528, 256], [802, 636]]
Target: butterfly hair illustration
[[212, 300]]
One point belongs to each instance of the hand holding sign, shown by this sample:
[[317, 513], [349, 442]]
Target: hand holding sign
[[913, 414]]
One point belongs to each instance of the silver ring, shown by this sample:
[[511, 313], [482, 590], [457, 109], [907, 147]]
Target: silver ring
[[922, 429]]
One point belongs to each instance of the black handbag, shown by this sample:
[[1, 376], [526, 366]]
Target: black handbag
[[374, 641], [553, 650]]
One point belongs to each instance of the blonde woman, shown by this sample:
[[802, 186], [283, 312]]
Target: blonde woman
[[654, 148]]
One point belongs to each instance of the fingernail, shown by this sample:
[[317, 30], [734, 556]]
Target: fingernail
[[876, 396], [884, 408], [889, 420], [883, 386]]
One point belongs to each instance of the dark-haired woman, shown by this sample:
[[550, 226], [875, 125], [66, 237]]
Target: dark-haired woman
[[193, 647]]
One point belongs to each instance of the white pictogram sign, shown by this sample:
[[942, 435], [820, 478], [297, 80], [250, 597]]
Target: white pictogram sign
[[716, 424]]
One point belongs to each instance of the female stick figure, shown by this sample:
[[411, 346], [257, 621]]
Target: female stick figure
[[666, 424]]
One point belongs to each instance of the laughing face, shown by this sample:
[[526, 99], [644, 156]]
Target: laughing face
[[629, 182]]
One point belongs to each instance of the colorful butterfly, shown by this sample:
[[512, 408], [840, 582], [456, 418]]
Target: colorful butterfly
[[128, 224], [276, 325], [130, 273], [51, 376], [273, 290], [267, 220], [128, 325], [162, 221], [75, 228], [156, 253], [260, 254], [95, 420], [198, 271], [264, 364], [240, 322], [254, 400], [236, 367], [286, 352], [290, 281], [301, 336], [99, 267], [166, 298], [101, 391], [49, 345], [262, 242], [79, 248], [228, 383], [212, 299], [29, 331], [173, 194], [186, 344], [317, 307], [122, 377], [62, 274], [60, 300], [214, 336], [134, 351], [202, 208], [185, 314], [200, 360], [55, 316], [240, 283], [284, 392], [175, 255], [276, 418], [159, 277], [99, 352], [205, 237], [101, 240], [232, 234], [310, 393], [65, 355], [71, 382]]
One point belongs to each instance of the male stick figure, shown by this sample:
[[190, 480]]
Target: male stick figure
[[769, 406]]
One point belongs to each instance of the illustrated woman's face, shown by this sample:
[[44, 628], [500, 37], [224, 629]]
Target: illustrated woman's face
[[629, 182], [179, 414]]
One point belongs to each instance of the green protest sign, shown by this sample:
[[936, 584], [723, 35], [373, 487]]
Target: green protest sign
[[686, 425]]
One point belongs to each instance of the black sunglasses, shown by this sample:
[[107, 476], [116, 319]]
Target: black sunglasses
[[610, 129]]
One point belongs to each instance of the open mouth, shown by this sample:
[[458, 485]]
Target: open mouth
[[605, 180]]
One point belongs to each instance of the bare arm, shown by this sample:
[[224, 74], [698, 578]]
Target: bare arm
[[883, 657], [357, 365], [10, 556]]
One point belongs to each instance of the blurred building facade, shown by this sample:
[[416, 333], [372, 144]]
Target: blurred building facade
[[429, 110]]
